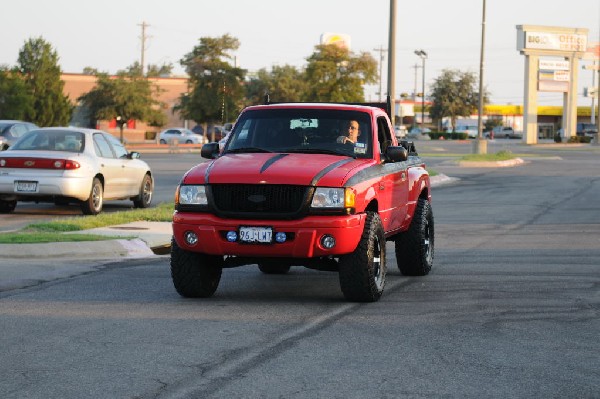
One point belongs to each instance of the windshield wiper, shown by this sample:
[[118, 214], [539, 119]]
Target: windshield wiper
[[316, 151], [247, 149]]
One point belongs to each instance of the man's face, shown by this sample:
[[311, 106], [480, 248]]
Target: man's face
[[353, 131]]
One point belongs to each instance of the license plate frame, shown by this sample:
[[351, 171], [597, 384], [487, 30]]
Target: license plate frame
[[26, 186], [255, 234]]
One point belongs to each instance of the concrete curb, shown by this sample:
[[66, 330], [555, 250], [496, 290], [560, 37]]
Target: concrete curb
[[492, 164]]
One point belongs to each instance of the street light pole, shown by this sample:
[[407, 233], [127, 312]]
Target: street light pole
[[423, 55], [481, 145]]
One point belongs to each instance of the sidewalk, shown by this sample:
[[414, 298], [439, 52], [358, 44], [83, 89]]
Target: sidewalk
[[26, 265]]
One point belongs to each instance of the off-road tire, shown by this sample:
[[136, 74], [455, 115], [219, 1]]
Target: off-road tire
[[145, 198], [362, 273], [415, 247], [7, 206], [195, 275], [93, 205], [272, 267]]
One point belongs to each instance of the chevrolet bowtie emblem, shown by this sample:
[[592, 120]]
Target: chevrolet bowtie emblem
[[29, 163]]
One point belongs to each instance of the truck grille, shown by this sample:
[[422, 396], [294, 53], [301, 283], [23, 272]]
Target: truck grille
[[252, 199]]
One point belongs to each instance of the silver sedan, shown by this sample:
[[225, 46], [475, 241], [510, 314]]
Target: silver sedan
[[64, 165]]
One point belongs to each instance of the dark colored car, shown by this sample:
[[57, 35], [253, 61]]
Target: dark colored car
[[586, 129], [11, 131]]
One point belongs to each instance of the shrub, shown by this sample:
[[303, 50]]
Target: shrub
[[580, 139]]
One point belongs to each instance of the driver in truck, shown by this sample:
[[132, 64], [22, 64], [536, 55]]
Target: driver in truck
[[352, 134]]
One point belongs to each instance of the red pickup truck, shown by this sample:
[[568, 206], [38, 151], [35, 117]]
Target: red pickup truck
[[291, 188]]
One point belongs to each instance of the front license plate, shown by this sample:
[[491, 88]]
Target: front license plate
[[256, 234], [26, 186]]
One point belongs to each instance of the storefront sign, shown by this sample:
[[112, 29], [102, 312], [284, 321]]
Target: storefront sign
[[555, 41]]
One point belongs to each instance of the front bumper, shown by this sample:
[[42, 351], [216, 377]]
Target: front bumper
[[305, 235]]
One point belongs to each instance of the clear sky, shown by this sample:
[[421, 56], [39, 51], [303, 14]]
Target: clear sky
[[106, 34]]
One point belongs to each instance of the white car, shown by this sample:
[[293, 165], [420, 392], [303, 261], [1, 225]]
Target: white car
[[64, 165], [182, 135], [471, 130]]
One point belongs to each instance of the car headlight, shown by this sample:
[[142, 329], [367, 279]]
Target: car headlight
[[332, 198], [192, 195]]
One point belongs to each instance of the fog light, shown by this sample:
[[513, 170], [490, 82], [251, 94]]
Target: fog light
[[280, 237], [190, 238], [327, 241], [232, 236]]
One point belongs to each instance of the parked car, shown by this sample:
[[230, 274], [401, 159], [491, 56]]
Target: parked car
[[503, 132], [400, 131], [182, 135], [418, 134], [471, 130], [64, 165], [587, 129], [220, 132], [11, 131]]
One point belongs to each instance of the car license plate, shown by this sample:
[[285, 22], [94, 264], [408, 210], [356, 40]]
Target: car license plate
[[26, 186], [256, 234]]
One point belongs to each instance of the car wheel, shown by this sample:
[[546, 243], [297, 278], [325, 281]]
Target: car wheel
[[362, 273], [414, 248], [194, 275], [189, 142], [7, 206], [145, 198], [93, 205], [272, 267], [162, 141]]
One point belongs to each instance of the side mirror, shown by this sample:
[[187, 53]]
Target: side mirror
[[210, 150], [396, 154], [133, 155]]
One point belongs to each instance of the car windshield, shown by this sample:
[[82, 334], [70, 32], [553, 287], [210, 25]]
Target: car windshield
[[51, 140], [312, 131]]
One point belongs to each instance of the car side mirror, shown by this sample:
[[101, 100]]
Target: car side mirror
[[133, 155], [210, 150], [396, 153]]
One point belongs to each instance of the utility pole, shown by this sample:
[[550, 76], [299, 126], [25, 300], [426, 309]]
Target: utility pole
[[144, 37], [480, 145], [381, 51], [392, 60]]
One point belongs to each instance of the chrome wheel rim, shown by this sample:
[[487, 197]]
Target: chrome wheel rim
[[378, 273], [97, 197]]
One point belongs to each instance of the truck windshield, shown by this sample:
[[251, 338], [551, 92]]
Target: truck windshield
[[309, 130]]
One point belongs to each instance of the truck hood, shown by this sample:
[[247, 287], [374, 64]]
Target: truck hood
[[277, 168]]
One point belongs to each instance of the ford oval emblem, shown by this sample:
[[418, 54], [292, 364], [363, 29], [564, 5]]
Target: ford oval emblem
[[257, 198]]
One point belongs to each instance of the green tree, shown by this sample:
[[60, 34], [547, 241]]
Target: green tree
[[283, 84], [454, 93], [15, 100], [334, 74], [216, 90], [123, 97], [152, 70], [38, 66]]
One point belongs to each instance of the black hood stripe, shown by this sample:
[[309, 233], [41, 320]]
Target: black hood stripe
[[328, 169], [271, 161]]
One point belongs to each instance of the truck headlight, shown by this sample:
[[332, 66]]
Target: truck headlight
[[332, 198], [192, 195]]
